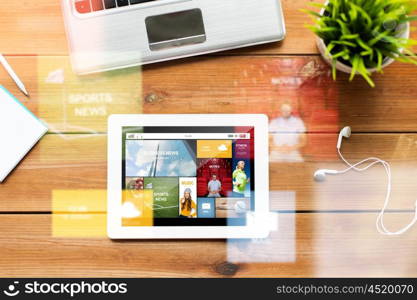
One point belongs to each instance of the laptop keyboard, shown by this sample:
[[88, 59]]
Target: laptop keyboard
[[88, 6]]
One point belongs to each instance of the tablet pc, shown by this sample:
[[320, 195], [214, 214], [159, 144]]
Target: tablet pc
[[187, 176]]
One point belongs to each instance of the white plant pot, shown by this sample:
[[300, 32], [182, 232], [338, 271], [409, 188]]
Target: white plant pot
[[405, 33]]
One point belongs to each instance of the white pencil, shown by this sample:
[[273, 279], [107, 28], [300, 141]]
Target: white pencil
[[13, 75]]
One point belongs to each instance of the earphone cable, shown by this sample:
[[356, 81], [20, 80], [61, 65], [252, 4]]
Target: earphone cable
[[380, 219]]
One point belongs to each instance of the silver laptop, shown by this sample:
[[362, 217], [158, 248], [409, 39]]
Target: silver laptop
[[111, 34]]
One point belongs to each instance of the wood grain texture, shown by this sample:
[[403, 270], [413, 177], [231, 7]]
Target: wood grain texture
[[325, 245], [333, 232], [77, 162], [239, 85], [36, 27], [261, 84]]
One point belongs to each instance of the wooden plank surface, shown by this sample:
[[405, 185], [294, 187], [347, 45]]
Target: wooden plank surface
[[234, 85], [325, 245], [79, 162], [332, 232], [36, 27], [261, 84]]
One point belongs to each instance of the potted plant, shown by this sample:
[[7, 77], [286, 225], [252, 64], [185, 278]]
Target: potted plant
[[364, 36]]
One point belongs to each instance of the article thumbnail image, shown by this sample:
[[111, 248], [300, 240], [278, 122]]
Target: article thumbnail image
[[242, 149], [206, 208], [232, 207], [134, 183], [137, 208], [214, 177], [188, 197], [241, 178], [165, 196], [160, 158], [214, 149]]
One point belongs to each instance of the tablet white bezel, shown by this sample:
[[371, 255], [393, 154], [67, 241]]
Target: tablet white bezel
[[255, 227]]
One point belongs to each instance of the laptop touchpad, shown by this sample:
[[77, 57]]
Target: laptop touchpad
[[175, 29]]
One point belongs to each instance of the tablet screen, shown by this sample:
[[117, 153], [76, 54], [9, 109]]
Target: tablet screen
[[180, 176]]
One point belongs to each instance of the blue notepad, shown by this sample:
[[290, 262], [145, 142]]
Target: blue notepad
[[20, 130]]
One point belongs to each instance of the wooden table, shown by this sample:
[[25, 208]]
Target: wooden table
[[325, 229]]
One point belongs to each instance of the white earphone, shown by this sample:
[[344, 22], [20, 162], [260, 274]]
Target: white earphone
[[320, 175]]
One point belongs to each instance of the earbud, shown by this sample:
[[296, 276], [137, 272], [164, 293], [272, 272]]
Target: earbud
[[320, 175], [344, 133]]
